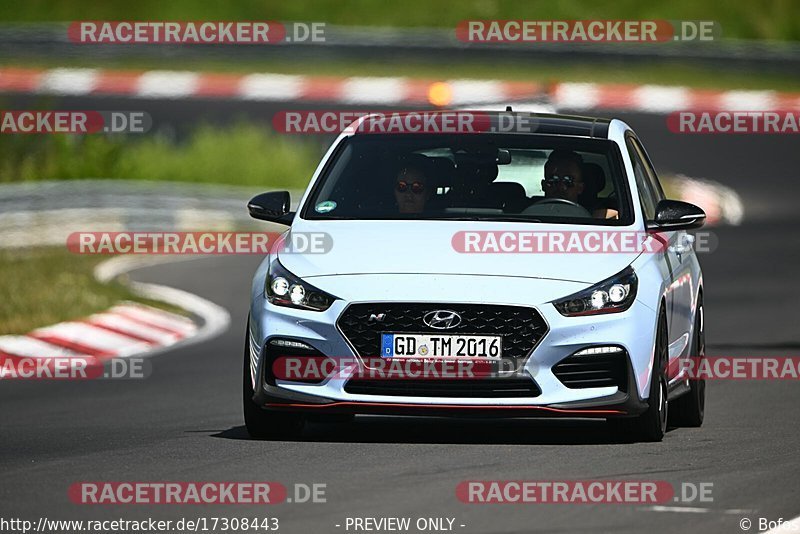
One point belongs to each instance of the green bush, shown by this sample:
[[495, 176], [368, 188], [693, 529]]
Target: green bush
[[243, 154]]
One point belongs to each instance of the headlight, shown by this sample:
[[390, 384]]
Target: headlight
[[613, 295], [285, 289]]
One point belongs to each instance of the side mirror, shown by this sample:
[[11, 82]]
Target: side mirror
[[676, 215], [272, 206], [503, 156]]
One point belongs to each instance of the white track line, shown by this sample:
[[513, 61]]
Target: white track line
[[467, 91], [680, 509], [95, 338], [68, 81], [661, 99], [696, 510], [370, 90], [216, 319], [158, 313], [271, 87], [29, 347], [748, 100], [792, 525], [125, 325], [167, 84], [180, 325], [382, 90]]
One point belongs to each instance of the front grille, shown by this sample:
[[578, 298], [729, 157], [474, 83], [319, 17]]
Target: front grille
[[594, 371], [481, 388], [521, 328]]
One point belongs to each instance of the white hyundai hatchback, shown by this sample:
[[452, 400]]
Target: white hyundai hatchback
[[527, 273]]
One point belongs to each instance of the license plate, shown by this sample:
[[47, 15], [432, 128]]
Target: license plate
[[440, 346]]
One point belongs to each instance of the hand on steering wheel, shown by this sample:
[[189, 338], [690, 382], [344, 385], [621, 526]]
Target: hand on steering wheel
[[559, 201]]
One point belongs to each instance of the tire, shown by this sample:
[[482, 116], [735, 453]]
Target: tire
[[260, 423], [688, 410], [652, 424]]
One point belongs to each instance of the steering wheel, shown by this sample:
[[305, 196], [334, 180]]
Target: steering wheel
[[564, 201], [559, 201]]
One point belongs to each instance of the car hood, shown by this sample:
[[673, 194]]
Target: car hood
[[426, 247]]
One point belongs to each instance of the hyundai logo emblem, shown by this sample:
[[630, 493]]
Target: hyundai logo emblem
[[442, 319]]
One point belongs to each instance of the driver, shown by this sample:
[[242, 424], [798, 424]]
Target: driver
[[563, 176], [412, 189]]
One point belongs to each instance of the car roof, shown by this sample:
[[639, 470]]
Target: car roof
[[555, 124], [540, 123]]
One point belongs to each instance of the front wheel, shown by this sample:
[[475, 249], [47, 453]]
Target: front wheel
[[652, 424], [689, 409], [260, 423]]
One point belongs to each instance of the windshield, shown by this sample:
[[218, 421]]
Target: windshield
[[526, 178]]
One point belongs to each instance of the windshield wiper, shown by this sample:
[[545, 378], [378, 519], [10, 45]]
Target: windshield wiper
[[501, 218], [511, 218]]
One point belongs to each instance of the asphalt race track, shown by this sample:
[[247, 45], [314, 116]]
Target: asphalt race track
[[184, 422]]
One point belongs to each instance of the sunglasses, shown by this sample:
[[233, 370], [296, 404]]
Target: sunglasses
[[567, 180], [416, 187]]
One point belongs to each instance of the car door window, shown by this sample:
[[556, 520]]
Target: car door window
[[650, 172], [647, 196]]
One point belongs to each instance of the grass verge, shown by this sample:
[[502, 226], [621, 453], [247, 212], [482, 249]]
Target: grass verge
[[245, 154], [44, 286]]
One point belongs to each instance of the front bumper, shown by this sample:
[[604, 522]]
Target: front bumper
[[632, 330], [619, 404]]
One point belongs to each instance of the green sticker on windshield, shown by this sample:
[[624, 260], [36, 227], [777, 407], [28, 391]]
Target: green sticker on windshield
[[326, 206]]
